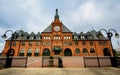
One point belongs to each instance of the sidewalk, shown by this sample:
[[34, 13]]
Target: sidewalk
[[61, 71]]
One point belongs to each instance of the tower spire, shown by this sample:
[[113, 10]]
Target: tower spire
[[56, 14]]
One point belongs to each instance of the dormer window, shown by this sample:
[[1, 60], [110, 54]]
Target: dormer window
[[82, 37], [31, 37], [75, 37], [89, 37], [38, 37]]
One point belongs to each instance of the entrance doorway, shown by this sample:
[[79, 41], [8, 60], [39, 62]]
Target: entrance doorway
[[106, 52], [46, 52], [67, 52]]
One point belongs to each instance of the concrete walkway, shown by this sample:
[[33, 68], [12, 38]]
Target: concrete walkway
[[61, 71]]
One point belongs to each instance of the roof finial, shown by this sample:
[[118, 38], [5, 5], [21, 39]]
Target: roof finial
[[56, 11], [56, 15]]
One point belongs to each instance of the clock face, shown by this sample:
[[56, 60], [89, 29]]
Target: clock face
[[56, 28]]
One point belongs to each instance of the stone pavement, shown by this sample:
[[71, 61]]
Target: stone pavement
[[61, 71]]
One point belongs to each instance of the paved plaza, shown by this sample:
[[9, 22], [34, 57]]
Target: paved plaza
[[60, 71]]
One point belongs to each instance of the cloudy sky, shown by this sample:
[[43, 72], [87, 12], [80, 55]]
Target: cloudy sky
[[77, 15]]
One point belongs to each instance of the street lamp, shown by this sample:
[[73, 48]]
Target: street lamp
[[10, 51], [109, 35]]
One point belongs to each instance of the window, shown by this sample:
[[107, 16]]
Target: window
[[65, 43], [83, 43], [70, 43], [21, 52], [104, 43], [38, 37], [14, 43], [76, 42], [44, 37], [57, 37], [31, 37], [64, 37], [85, 50], [77, 50], [67, 37], [89, 37], [92, 50], [75, 37], [30, 43], [37, 43], [91, 43], [82, 37], [29, 53], [100, 42], [23, 43], [44, 43], [48, 43], [47, 37], [36, 53]]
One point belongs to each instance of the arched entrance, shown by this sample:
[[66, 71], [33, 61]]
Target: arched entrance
[[46, 52], [106, 52], [67, 52]]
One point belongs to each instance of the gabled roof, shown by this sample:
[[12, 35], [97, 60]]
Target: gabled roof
[[48, 29], [64, 29]]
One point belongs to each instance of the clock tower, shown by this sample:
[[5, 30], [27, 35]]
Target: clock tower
[[57, 34], [56, 25]]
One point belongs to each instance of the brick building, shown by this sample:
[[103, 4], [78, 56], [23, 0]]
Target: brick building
[[57, 39]]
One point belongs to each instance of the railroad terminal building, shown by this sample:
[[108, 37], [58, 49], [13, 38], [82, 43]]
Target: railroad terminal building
[[58, 40]]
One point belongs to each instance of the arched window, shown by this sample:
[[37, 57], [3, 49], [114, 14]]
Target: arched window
[[92, 50], [77, 50], [46, 52], [85, 50], [67, 52], [36, 53], [29, 53], [21, 52]]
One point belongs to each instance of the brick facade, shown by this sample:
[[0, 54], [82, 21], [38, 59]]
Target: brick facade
[[58, 40]]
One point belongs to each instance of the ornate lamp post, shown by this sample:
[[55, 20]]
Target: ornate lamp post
[[10, 52], [109, 35]]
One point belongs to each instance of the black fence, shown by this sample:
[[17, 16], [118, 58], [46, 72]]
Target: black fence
[[55, 61], [115, 61], [97, 61], [2, 62], [46, 62], [101, 61], [16, 61]]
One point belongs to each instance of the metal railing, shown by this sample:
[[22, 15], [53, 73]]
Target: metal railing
[[17, 61]]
